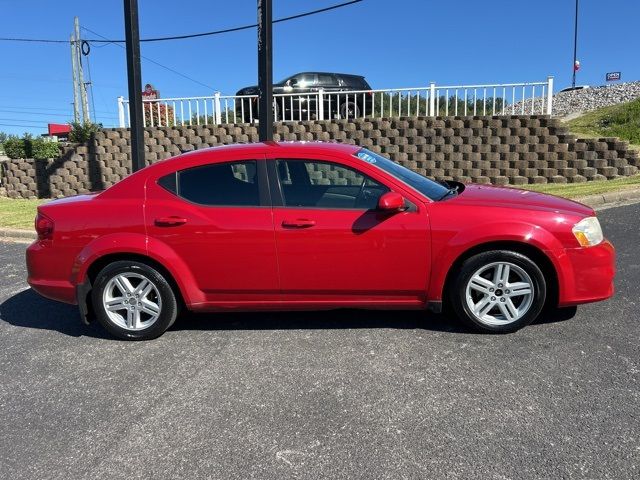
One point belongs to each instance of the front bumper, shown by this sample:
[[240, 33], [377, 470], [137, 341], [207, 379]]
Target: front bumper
[[588, 274]]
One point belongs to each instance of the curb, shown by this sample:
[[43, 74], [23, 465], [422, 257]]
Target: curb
[[15, 234], [594, 201], [609, 198]]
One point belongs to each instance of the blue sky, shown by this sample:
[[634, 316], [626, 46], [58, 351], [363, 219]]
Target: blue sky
[[399, 43]]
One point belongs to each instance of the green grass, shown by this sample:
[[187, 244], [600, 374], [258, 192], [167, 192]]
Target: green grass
[[18, 214], [622, 120], [575, 190]]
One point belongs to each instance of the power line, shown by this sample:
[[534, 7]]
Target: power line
[[18, 120], [31, 40], [246, 27], [193, 35], [50, 114], [156, 63], [35, 113], [23, 126], [68, 109], [93, 102]]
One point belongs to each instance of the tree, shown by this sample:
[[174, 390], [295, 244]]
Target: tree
[[157, 114]]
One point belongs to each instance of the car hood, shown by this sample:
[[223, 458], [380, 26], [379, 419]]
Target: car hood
[[506, 197], [254, 90], [250, 90]]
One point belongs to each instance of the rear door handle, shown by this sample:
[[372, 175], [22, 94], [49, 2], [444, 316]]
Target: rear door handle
[[298, 223], [172, 221]]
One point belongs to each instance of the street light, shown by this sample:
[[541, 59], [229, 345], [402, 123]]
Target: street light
[[576, 64]]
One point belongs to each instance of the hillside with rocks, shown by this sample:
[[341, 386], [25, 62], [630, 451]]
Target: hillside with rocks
[[587, 99]]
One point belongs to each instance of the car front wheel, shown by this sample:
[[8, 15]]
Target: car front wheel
[[498, 291], [133, 301]]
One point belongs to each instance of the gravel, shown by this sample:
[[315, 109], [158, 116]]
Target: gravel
[[570, 104], [578, 101]]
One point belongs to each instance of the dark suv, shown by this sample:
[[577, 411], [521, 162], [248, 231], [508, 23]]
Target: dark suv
[[295, 98]]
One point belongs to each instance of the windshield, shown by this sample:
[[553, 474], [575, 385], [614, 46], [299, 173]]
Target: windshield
[[428, 188]]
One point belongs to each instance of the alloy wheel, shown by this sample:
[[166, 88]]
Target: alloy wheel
[[499, 293], [132, 301]]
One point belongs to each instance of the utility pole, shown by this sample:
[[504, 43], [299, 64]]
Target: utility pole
[[575, 47], [132, 35], [76, 93], [82, 85], [265, 71]]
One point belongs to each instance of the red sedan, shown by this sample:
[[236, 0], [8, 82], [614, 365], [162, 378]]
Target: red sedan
[[302, 226]]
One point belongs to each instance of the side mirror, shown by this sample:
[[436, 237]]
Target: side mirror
[[292, 82], [391, 202]]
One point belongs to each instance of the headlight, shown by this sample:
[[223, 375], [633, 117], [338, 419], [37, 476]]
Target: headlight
[[588, 232]]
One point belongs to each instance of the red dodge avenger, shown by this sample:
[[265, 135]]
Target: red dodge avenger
[[312, 226]]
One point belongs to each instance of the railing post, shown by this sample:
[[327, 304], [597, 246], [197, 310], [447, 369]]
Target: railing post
[[432, 99], [320, 106], [549, 94], [121, 117], [216, 99]]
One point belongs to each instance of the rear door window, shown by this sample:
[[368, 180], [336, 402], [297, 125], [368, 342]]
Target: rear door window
[[325, 79]]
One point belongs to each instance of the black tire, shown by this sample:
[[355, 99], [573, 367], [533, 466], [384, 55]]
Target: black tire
[[167, 302], [490, 321], [349, 110]]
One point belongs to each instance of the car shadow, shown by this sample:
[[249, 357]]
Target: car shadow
[[319, 320], [29, 310], [556, 315]]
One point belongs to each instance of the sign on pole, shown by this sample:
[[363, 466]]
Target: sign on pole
[[150, 93], [613, 76]]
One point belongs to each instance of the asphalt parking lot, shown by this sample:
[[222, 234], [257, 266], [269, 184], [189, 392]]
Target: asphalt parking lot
[[323, 395]]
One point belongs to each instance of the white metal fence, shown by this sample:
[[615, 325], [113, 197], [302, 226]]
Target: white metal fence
[[434, 100]]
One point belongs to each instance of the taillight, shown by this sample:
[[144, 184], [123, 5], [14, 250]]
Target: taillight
[[44, 227]]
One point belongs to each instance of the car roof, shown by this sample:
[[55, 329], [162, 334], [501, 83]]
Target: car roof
[[270, 147], [330, 73]]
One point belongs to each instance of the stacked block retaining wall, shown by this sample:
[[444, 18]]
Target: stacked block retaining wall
[[512, 150]]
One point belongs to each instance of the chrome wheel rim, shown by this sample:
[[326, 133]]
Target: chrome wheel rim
[[132, 301], [499, 293]]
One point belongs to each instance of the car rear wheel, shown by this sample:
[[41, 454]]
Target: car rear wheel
[[498, 291], [133, 301], [349, 110]]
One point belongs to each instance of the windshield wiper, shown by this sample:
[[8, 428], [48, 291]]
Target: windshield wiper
[[450, 190]]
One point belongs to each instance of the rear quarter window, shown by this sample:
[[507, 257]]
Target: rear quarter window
[[357, 83], [223, 184]]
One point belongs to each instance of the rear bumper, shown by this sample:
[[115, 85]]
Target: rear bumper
[[45, 275], [589, 275]]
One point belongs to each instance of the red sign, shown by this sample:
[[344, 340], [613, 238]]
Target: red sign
[[150, 93], [59, 129]]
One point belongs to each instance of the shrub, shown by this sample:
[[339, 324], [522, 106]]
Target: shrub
[[15, 148], [42, 149], [28, 147], [81, 132], [158, 114]]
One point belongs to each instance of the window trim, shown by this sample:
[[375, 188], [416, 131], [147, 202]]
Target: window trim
[[277, 195], [264, 194]]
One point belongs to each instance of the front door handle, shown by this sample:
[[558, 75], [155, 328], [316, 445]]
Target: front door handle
[[298, 223], [172, 221]]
